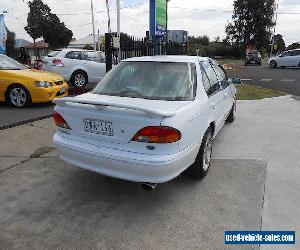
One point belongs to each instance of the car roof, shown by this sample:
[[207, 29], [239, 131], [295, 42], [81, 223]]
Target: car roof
[[189, 59]]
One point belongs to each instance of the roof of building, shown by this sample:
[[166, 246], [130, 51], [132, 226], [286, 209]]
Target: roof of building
[[38, 45], [83, 41], [21, 43]]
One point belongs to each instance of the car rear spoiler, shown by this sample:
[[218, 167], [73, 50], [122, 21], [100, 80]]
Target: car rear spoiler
[[147, 110]]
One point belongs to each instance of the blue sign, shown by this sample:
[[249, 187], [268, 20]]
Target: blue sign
[[3, 35], [158, 18]]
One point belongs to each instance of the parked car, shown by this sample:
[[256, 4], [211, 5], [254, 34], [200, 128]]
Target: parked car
[[148, 120], [20, 85], [78, 66], [290, 58], [253, 57]]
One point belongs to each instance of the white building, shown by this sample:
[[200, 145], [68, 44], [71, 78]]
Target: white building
[[178, 36]]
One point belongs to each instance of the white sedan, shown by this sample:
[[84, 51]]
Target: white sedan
[[290, 58], [148, 120], [78, 66]]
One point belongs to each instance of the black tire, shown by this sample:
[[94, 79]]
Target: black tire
[[200, 168], [273, 64], [79, 79], [231, 116], [19, 100]]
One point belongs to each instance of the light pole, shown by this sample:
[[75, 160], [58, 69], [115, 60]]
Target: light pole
[[93, 22], [274, 32], [119, 29]]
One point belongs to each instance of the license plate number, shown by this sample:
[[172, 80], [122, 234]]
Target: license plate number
[[98, 127], [252, 62]]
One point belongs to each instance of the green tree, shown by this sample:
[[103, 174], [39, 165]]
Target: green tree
[[251, 23], [279, 43], [10, 43], [42, 23], [294, 46]]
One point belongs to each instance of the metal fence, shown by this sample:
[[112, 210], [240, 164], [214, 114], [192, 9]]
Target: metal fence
[[138, 47]]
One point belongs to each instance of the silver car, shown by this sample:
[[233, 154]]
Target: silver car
[[290, 58], [78, 66]]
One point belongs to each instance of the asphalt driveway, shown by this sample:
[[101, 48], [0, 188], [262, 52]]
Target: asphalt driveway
[[286, 80], [253, 184]]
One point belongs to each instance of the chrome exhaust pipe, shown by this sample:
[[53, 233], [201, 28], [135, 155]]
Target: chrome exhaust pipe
[[148, 186]]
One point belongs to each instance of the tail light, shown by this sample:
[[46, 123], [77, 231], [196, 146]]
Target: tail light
[[57, 62], [158, 134], [60, 121]]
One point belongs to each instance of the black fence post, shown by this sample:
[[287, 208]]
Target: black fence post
[[108, 51]]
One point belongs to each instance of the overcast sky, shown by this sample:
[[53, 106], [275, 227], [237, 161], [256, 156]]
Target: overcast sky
[[196, 16]]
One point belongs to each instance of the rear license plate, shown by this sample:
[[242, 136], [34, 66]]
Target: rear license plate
[[98, 127], [252, 62]]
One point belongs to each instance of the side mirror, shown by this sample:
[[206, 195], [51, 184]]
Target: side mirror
[[235, 81]]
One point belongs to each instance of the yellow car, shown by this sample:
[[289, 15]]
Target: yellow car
[[20, 86]]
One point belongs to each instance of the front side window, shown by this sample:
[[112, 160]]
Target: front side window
[[74, 55], [288, 53], [150, 80]]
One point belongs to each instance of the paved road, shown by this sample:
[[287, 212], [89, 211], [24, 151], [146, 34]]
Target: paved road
[[11, 115], [286, 80]]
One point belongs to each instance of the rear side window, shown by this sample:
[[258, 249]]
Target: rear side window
[[74, 55], [91, 56], [221, 74], [213, 79]]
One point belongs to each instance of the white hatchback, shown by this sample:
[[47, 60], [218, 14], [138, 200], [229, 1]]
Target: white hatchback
[[290, 58], [148, 120], [78, 66]]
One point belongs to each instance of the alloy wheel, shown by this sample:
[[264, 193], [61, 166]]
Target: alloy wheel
[[79, 80], [207, 152], [18, 96]]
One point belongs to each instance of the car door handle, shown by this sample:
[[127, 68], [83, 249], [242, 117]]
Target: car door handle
[[226, 95]]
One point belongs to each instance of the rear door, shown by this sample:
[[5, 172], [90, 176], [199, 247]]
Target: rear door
[[226, 90], [214, 92], [72, 59], [96, 66]]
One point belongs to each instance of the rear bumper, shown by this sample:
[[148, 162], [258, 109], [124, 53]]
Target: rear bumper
[[130, 166], [256, 60]]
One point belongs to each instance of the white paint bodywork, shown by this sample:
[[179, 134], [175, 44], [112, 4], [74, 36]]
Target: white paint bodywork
[[292, 59], [118, 156], [94, 70]]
